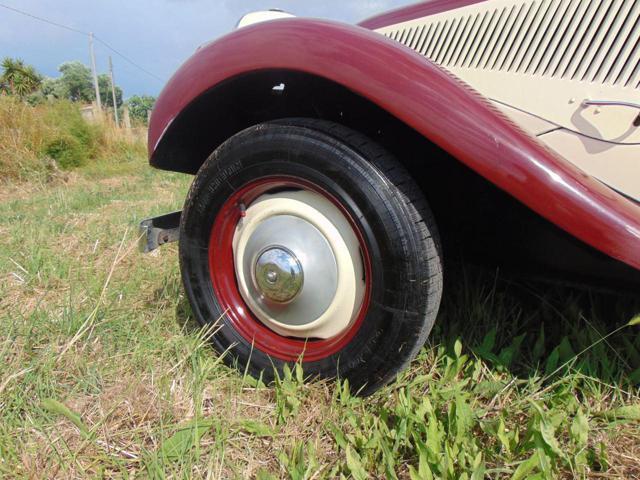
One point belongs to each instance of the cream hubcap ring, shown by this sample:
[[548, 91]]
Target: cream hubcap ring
[[298, 265]]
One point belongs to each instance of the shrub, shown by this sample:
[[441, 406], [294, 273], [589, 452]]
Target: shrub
[[68, 119], [67, 151], [31, 136]]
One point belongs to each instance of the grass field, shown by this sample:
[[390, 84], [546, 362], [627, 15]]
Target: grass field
[[103, 374]]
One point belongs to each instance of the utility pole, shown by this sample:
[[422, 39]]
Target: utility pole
[[95, 75], [113, 92]]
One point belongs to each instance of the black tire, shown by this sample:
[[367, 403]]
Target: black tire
[[390, 211]]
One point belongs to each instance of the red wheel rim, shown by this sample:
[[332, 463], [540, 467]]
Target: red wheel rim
[[225, 287]]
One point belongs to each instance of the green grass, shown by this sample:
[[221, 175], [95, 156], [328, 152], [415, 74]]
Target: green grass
[[103, 373]]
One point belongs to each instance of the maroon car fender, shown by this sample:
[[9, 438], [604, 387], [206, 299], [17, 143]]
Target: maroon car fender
[[428, 99], [403, 14]]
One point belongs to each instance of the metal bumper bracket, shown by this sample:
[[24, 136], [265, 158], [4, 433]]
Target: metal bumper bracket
[[158, 231]]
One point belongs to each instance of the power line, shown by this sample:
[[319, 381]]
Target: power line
[[98, 39], [50, 22], [87, 34]]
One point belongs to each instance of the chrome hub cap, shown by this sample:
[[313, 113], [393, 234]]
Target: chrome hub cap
[[278, 275], [298, 265]]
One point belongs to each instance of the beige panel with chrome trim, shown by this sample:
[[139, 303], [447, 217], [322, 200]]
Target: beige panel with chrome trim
[[544, 57], [530, 123], [560, 101], [616, 165]]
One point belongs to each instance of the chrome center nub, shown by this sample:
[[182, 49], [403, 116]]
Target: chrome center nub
[[278, 274]]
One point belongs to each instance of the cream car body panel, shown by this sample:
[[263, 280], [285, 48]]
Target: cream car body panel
[[530, 123], [539, 61], [615, 165]]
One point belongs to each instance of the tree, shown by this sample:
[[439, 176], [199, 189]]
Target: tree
[[75, 83], [51, 87], [104, 83], [140, 105], [18, 78]]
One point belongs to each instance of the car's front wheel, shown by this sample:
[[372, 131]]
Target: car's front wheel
[[307, 241]]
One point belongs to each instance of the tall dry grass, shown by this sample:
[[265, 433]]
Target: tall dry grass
[[36, 141]]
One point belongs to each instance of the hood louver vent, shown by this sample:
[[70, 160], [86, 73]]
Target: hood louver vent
[[583, 40]]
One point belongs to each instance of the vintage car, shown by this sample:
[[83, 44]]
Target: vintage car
[[335, 165]]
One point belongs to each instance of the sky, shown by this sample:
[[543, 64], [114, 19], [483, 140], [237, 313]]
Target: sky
[[158, 35]]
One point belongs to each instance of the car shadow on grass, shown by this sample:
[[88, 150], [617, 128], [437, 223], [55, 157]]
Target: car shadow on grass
[[535, 329]]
